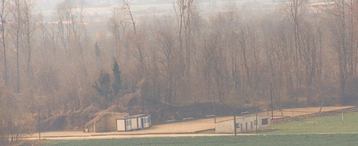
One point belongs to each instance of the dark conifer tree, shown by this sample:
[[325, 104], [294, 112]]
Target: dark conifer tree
[[117, 84]]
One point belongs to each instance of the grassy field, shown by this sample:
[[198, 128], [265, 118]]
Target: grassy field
[[329, 124], [268, 140]]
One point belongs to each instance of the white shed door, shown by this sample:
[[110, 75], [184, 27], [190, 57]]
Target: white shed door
[[134, 123], [121, 125], [140, 125]]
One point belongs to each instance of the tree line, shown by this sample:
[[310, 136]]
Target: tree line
[[307, 52]]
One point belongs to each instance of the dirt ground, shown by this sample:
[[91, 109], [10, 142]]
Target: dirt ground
[[185, 127]]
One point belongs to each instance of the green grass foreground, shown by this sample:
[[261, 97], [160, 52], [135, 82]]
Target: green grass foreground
[[260, 140], [329, 124]]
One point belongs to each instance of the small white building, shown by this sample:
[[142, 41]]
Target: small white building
[[244, 124], [134, 123]]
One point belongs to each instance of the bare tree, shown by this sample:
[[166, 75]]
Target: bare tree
[[166, 41], [29, 24], [3, 16], [296, 10], [137, 38], [16, 18], [343, 44], [186, 13], [115, 23]]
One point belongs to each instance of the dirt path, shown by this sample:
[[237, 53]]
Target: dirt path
[[127, 136], [181, 128]]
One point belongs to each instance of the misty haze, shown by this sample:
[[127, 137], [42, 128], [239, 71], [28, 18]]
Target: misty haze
[[178, 72]]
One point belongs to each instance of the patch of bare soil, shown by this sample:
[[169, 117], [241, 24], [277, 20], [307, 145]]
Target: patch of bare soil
[[185, 127]]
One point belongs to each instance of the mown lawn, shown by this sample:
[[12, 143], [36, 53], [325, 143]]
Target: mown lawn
[[329, 124], [260, 140]]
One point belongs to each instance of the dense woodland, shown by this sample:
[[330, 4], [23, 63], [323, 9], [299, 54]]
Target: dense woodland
[[307, 55]]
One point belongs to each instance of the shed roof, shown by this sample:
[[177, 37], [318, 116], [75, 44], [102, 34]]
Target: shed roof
[[246, 116]]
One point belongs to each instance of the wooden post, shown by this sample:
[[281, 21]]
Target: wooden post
[[39, 123], [235, 124], [214, 110], [292, 112], [256, 123], [94, 127], [271, 101]]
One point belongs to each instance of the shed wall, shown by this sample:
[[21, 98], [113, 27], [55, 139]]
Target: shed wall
[[244, 124], [121, 125], [133, 123], [225, 127]]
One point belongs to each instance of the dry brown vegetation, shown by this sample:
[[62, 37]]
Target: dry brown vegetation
[[172, 66]]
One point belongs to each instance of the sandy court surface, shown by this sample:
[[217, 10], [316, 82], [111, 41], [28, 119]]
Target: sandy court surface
[[131, 136], [185, 127]]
